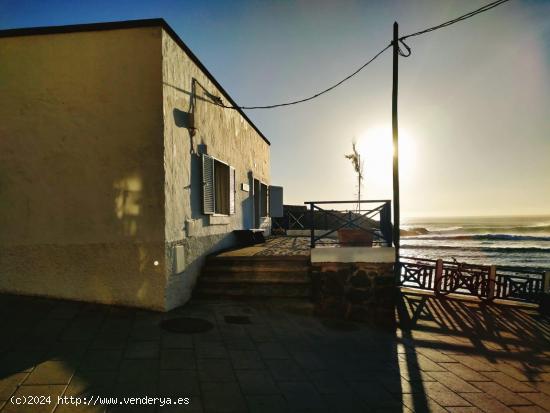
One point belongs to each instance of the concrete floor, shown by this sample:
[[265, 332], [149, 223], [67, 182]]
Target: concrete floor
[[447, 356]]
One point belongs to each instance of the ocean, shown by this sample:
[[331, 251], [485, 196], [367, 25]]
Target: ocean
[[502, 241]]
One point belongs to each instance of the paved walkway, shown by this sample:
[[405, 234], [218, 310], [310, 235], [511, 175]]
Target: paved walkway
[[452, 356]]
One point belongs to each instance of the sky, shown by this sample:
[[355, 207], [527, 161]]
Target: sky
[[474, 98]]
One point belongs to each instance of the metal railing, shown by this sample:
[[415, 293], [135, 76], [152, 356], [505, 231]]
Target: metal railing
[[487, 282], [370, 220]]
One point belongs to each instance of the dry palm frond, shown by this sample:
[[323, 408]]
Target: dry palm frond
[[356, 161]]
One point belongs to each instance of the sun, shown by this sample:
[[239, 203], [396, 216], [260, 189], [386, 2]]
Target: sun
[[376, 149]]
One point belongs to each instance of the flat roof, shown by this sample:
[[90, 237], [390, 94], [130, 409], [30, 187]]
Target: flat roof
[[128, 24]]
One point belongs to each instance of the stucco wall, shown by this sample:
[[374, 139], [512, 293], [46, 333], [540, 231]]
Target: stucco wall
[[81, 174], [223, 134]]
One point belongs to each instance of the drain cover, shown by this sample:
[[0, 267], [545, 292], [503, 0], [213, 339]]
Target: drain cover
[[237, 319], [186, 325]]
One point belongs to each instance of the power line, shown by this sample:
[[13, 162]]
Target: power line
[[457, 19], [468, 15], [315, 95]]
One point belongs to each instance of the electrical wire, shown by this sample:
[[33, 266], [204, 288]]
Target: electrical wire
[[468, 15], [315, 95], [457, 19]]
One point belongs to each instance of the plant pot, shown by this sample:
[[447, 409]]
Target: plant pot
[[352, 237]]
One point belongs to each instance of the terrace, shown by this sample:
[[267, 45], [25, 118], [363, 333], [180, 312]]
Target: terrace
[[446, 355]]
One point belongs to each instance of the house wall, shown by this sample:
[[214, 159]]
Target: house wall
[[81, 174], [221, 133]]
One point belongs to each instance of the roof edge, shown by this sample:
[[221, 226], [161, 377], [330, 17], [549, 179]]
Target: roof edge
[[129, 24]]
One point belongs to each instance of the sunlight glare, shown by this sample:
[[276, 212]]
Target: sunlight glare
[[376, 149]]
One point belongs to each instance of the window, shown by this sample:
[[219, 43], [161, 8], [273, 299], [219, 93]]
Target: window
[[218, 187]]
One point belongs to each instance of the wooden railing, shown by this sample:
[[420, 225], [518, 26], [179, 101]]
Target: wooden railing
[[485, 282]]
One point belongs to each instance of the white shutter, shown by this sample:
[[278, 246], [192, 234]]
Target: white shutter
[[232, 190], [208, 198], [276, 201]]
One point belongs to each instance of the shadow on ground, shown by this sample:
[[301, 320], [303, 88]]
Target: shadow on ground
[[446, 355]]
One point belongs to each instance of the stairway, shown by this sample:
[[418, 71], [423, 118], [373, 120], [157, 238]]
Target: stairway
[[254, 277]]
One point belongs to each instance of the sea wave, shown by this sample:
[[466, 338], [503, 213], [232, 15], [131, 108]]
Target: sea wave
[[504, 250], [481, 237]]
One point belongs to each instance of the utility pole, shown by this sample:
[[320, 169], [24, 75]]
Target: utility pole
[[396, 224]]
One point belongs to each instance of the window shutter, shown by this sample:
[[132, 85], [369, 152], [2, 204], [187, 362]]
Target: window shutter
[[232, 190], [208, 199], [276, 201]]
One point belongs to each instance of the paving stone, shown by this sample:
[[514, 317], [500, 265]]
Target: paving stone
[[308, 360], [453, 382], [542, 387], [224, 397], [178, 359], [301, 396], [240, 344], [336, 403], [509, 382], [399, 385], [256, 382], [540, 399], [464, 409], [373, 393], [443, 395], [502, 394], [285, 370], [101, 360], [138, 377], [19, 361], [486, 403], [464, 372], [529, 409], [9, 384], [423, 363], [327, 383], [51, 372], [172, 340], [420, 403], [215, 370], [211, 350], [81, 329], [142, 350], [179, 383], [145, 330], [477, 363], [272, 350], [51, 391], [194, 406], [434, 355], [246, 360], [99, 383], [86, 390], [273, 403]]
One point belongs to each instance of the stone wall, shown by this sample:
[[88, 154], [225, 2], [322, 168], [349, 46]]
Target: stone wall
[[219, 132], [356, 291]]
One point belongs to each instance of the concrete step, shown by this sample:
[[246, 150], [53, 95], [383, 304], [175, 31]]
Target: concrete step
[[260, 271], [251, 290], [295, 277]]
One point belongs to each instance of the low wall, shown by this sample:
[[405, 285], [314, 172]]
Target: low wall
[[362, 291]]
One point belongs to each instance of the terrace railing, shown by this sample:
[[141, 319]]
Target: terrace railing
[[485, 282], [327, 218]]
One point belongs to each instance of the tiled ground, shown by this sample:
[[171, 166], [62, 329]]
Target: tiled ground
[[449, 355]]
